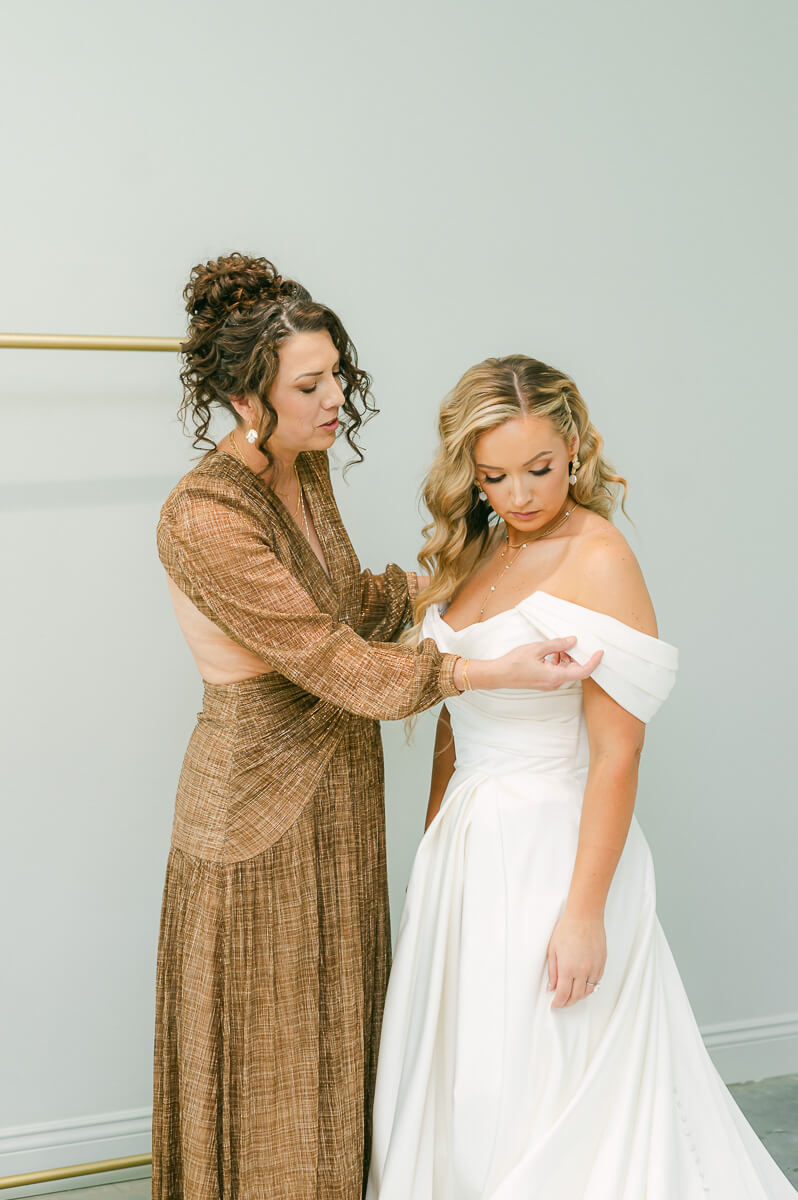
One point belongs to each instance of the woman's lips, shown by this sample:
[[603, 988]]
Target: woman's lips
[[526, 515], [332, 425]]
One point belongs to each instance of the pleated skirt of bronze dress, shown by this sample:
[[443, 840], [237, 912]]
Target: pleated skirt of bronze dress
[[271, 969]]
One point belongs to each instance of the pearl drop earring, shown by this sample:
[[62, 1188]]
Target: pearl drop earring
[[573, 467], [252, 436]]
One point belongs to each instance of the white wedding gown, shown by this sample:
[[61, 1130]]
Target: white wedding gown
[[483, 1091]]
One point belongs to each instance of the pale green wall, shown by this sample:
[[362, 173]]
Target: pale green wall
[[609, 187]]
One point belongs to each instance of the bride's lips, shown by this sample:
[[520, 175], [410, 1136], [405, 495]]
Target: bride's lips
[[332, 425], [525, 516]]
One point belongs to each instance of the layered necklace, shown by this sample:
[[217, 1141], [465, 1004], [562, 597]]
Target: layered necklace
[[301, 507], [519, 548]]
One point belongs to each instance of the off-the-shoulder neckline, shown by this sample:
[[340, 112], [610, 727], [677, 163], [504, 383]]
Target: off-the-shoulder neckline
[[539, 592]]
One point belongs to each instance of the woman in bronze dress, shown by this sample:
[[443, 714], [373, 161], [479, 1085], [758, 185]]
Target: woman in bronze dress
[[275, 946]]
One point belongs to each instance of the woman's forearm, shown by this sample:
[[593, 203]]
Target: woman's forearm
[[607, 810]]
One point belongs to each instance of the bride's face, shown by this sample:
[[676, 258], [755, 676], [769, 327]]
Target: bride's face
[[522, 466]]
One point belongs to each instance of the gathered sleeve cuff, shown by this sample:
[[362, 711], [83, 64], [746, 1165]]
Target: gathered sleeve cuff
[[386, 603]]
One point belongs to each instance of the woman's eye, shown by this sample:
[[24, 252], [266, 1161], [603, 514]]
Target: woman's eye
[[498, 479], [545, 471], [307, 391]]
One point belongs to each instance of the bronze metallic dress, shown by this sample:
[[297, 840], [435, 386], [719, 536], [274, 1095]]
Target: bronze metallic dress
[[275, 946]]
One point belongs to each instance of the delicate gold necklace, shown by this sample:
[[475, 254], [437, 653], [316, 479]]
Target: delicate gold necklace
[[237, 453], [301, 503], [300, 496], [535, 537]]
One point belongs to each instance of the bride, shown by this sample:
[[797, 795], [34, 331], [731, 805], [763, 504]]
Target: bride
[[537, 1041]]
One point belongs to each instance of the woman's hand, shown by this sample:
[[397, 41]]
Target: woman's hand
[[576, 955], [544, 666], [539, 666]]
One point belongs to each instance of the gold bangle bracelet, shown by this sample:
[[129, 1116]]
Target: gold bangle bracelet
[[466, 681]]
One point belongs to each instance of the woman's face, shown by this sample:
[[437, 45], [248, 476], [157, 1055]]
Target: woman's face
[[522, 466], [306, 395]]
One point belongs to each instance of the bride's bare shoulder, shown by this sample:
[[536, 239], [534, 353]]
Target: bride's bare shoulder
[[607, 575]]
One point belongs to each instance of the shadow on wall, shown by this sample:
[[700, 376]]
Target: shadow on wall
[[85, 493]]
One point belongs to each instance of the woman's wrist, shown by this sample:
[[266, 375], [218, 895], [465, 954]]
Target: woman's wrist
[[587, 895], [576, 910], [475, 674]]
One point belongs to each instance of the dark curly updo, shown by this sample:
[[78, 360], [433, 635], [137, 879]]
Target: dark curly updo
[[240, 310]]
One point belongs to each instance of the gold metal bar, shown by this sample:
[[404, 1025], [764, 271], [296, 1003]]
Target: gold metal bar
[[92, 1168], [82, 341]]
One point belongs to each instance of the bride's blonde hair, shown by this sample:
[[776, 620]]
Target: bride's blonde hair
[[490, 393]]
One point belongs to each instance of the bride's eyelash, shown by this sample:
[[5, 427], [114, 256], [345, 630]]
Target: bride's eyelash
[[499, 478]]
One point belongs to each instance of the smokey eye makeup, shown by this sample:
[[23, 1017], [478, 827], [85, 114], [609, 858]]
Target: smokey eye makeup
[[499, 478]]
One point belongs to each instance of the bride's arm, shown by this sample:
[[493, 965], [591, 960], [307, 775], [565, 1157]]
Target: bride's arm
[[442, 765], [577, 951]]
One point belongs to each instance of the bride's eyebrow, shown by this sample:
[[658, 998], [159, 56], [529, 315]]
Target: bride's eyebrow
[[483, 467]]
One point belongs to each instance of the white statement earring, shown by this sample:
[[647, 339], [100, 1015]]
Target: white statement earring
[[252, 436], [481, 493], [573, 467]]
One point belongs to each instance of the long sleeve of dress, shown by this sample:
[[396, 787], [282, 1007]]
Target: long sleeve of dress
[[219, 554], [386, 602]]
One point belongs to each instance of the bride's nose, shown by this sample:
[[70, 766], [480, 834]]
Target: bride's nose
[[519, 494]]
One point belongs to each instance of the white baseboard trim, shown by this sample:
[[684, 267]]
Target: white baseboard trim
[[741, 1050], [76, 1140], [754, 1049]]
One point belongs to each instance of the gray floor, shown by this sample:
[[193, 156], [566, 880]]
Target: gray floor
[[771, 1106]]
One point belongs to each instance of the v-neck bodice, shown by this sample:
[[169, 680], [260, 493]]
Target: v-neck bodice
[[330, 586], [231, 546]]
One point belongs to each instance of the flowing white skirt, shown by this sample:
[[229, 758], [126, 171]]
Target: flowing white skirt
[[484, 1091]]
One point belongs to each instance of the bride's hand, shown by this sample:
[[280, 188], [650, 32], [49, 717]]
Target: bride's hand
[[545, 666], [576, 956]]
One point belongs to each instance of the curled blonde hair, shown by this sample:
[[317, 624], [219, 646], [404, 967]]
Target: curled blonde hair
[[489, 394]]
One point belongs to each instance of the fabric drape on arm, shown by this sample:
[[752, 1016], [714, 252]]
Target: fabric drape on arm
[[219, 555], [637, 670]]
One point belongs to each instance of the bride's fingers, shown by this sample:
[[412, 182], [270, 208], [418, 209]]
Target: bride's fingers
[[563, 992], [552, 970], [578, 991]]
